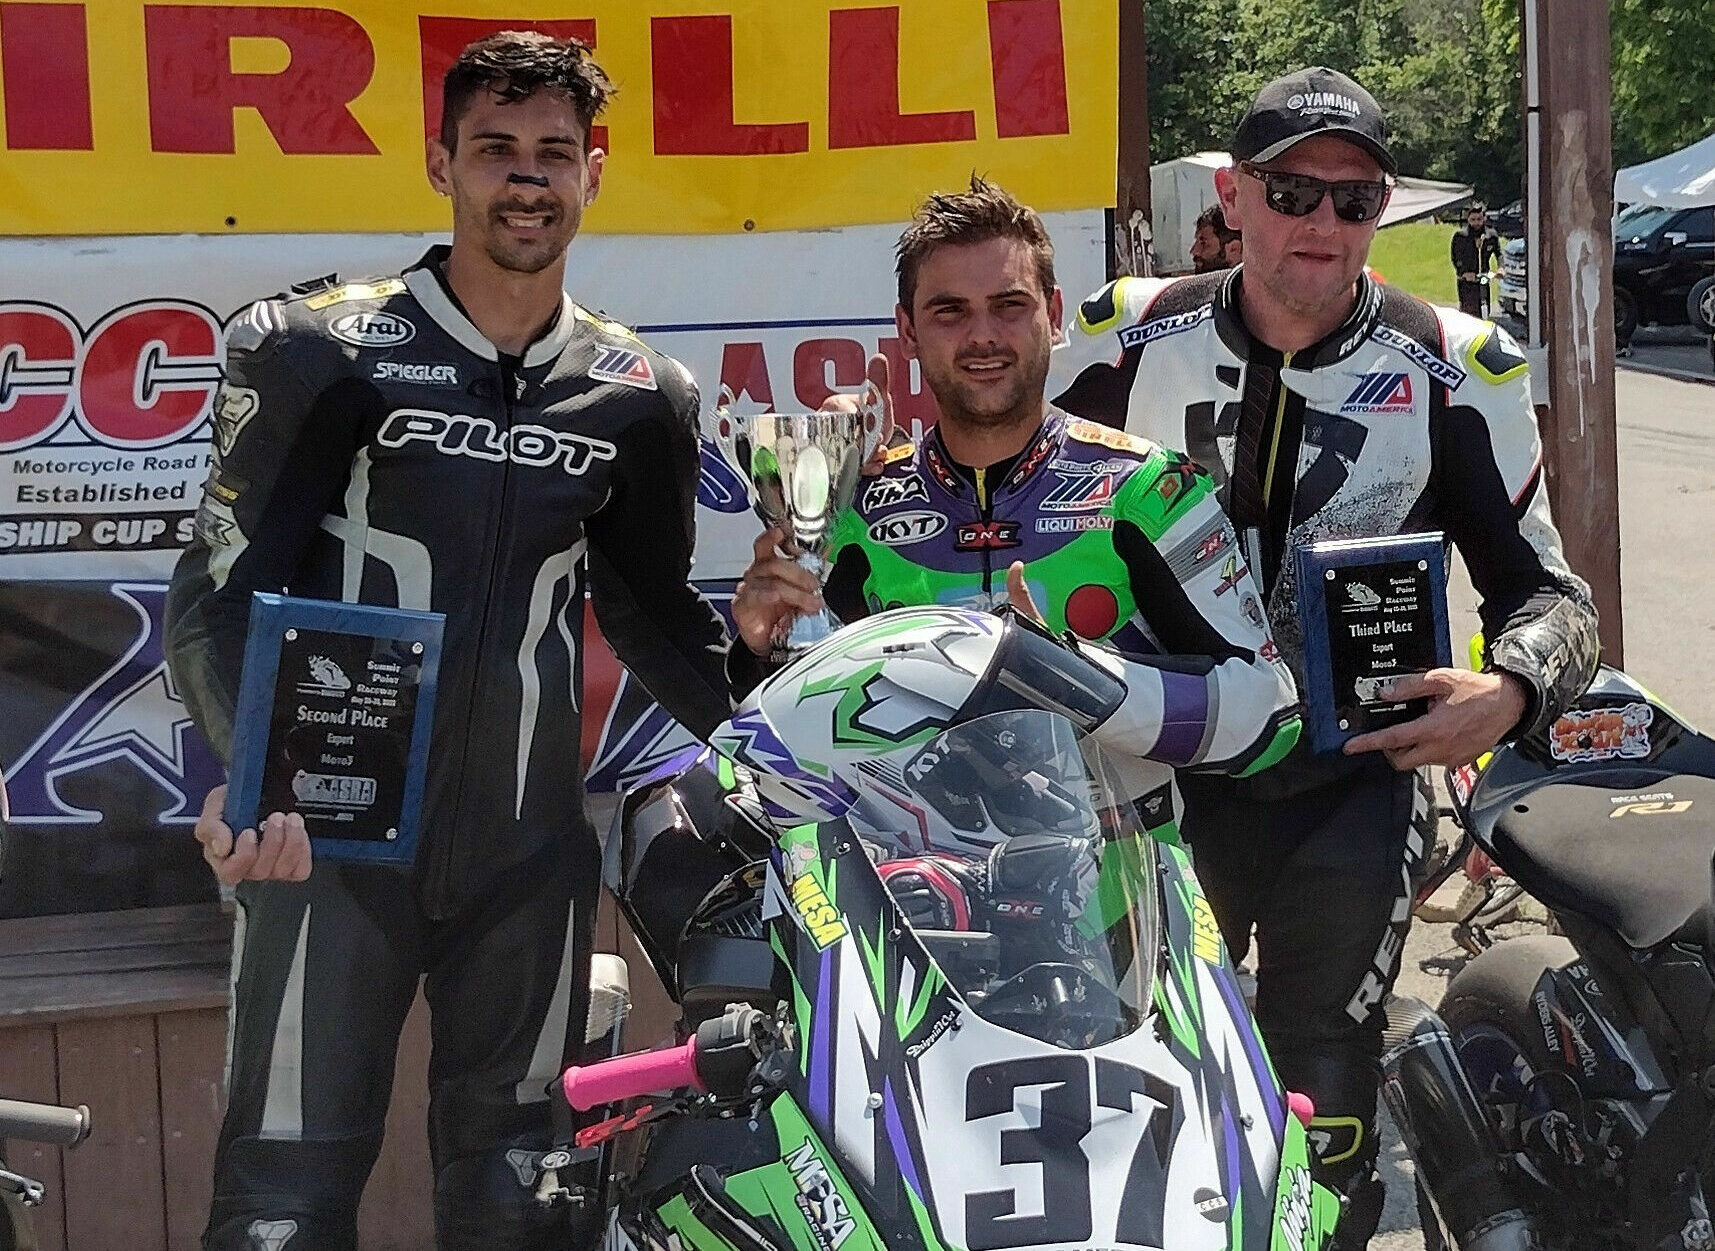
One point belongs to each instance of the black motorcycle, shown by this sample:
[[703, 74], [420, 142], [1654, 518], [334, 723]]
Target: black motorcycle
[[1564, 1094]]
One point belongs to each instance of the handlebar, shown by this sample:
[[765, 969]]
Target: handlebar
[[44, 1122], [588, 1086]]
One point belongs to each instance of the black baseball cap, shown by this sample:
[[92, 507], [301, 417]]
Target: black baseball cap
[[1314, 101]]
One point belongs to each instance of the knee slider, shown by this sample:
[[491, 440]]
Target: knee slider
[[278, 1195]]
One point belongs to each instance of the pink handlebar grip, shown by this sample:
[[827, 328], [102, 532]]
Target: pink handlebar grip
[[608, 1081]]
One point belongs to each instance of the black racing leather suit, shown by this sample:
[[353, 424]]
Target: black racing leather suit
[[372, 446], [1406, 418]]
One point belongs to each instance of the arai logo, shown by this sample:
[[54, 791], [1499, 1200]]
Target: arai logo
[[375, 330]]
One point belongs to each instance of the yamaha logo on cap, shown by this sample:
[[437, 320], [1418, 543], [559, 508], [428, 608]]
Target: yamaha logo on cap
[[1324, 102], [1312, 101]]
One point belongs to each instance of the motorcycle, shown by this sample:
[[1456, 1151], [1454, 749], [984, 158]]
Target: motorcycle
[[1563, 1095], [31, 1122], [941, 988]]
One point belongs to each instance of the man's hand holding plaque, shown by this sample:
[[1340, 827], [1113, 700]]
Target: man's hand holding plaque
[[277, 851], [1468, 714]]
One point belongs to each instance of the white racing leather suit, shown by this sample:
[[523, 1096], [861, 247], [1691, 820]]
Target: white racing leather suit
[[1407, 418]]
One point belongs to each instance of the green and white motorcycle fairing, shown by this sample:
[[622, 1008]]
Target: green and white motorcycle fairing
[[1072, 1067]]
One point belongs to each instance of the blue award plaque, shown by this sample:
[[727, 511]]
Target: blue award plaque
[[332, 723], [1370, 610]]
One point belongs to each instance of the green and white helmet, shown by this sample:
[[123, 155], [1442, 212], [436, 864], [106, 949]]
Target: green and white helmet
[[876, 691]]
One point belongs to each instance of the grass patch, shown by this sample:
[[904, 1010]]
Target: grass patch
[[1414, 256]]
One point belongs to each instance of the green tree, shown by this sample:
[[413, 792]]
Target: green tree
[[1448, 72], [1661, 60], [1193, 100]]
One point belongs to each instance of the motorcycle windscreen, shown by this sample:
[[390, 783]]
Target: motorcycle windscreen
[[1012, 851]]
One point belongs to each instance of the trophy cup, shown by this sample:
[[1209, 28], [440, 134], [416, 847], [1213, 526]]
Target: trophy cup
[[801, 470]]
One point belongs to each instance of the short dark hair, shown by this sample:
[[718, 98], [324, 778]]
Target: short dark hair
[[955, 218], [516, 64], [1215, 218]]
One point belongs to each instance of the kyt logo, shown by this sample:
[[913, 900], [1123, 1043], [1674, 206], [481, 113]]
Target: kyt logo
[[143, 376], [129, 717]]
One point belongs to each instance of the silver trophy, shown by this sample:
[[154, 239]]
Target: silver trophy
[[801, 470]]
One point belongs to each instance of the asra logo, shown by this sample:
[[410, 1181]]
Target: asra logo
[[455, 434], [1380, 393], [823, 1206], [131, 716], [637, 736], [143, 376]]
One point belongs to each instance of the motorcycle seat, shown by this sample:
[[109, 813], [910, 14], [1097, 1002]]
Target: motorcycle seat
[[1635, 859]]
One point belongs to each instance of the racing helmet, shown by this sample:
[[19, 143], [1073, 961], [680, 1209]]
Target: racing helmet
[[861, 706]]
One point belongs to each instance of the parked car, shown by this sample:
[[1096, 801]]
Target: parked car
[[1660, 256], [1508, 220], [1664, 270], [1510, 291]]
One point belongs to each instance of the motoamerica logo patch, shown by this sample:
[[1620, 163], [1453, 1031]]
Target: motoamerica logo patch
[[622, 365]]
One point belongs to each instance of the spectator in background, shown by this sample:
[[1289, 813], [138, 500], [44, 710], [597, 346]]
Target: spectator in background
[[1215, 245], [1474, 247]]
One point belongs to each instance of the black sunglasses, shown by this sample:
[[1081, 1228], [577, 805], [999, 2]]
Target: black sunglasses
[[1297, 195]]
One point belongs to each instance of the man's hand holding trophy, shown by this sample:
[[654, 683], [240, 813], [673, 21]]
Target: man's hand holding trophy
[[801, 471]]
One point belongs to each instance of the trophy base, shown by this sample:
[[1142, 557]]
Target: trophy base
[[807, 631]]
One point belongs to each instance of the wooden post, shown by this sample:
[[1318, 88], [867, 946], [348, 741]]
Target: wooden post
[[1131, 233], [1566, 45]]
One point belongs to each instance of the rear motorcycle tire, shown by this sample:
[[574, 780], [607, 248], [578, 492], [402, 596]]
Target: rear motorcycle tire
[[1488, 1011]]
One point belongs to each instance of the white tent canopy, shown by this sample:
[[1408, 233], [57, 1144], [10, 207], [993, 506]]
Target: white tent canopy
[[1682, 179], [1181, 189]]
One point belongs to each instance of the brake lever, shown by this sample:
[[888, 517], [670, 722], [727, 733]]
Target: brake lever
[[28, 1191]]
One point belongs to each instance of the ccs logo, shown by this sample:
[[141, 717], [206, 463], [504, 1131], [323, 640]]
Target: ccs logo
[[143, 376]]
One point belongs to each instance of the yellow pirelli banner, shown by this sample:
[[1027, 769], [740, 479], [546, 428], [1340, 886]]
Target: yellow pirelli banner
[[126, 117]]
